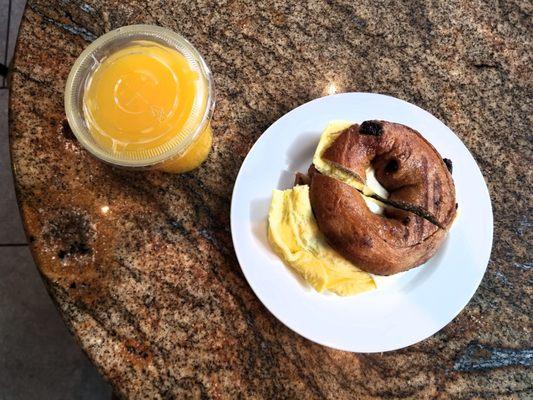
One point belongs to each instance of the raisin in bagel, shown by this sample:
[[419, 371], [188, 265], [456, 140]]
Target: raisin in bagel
[[420, 187]]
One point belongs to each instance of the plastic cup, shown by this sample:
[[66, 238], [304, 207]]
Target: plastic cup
[[188, 147]]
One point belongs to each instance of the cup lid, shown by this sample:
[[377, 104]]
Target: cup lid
[[107, 45]]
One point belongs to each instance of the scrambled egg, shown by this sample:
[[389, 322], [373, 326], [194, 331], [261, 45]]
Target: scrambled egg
[[294, 235], [329, 135]]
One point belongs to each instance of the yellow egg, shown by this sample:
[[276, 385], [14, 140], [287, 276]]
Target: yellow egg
[[332, 131], [294, 235], [368, 184]]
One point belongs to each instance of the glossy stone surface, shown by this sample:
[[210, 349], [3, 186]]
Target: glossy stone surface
[[152, 288]]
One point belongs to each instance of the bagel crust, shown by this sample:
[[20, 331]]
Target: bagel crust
[[379, 244], [406, 164], [421, 193]]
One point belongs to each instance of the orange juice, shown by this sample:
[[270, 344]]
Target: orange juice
[[145, 103]]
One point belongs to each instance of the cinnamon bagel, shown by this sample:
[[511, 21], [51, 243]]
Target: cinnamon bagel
[[404, 163], [421, 193]]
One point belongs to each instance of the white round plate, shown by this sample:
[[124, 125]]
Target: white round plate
[[408, 307]]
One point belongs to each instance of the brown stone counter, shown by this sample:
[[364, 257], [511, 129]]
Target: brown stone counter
[[152, 289]]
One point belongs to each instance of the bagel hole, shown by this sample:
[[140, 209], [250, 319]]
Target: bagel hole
[[391, 166]]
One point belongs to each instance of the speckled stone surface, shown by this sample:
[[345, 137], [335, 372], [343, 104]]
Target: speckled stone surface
[[152, 289]]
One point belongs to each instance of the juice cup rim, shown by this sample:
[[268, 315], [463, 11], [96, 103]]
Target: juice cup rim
[[78, 75]]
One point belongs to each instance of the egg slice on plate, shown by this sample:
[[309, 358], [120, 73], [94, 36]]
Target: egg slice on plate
[[294, 235]]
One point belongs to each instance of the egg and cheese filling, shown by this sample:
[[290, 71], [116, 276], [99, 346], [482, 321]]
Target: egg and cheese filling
[[294, 235], [332, 132]]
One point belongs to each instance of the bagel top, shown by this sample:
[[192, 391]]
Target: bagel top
[[420, 188], [404, 163]]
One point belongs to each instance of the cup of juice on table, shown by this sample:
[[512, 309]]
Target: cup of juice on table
[[142, 96]]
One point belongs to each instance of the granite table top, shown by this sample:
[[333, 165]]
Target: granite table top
[[152, 289]]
